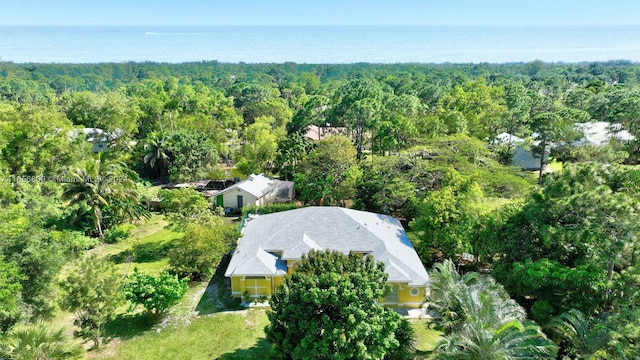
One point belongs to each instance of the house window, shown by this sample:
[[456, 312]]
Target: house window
[[414, 291], [256, 285]]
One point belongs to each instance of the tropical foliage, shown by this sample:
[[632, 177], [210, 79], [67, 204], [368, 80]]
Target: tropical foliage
[[197, 254], [480, 320], [410, 140], [39, 341], [329, 307], [93, 292], [157, 294], [104, 186]]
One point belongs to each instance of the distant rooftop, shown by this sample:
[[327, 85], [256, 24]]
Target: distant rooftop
[[600, 133], [319, 133], [256, 185]]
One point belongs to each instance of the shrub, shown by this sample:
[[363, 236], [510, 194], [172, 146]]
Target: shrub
[[329, 308], [117, 234], [197, 254], [93, 292], [39, 341], [270, 208], [155, 293]]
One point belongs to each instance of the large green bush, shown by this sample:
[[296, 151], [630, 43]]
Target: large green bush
[[157, 294]]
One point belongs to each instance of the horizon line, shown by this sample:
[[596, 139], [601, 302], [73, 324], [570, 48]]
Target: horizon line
[[326, 25]]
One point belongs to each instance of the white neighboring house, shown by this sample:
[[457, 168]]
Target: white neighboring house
[[600, 133], [255, 190], [522, 156], [98, 138]]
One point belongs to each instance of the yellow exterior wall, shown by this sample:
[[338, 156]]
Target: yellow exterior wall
[[292, 265], [265, 285], [277, 281], [405, 299], [256, 286], [236, 286], [262, 286]]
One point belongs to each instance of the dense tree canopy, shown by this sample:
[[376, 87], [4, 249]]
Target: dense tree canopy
[[580, 229], [416, 142], [480, 320], [329, 308], [328, 174]]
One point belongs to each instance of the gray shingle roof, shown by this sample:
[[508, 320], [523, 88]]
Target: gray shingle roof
[[295, 232], [256, 185]]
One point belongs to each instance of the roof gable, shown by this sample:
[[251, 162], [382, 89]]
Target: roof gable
[[256, 185]]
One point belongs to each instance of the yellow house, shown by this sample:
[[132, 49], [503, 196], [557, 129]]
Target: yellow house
[[272, 245]]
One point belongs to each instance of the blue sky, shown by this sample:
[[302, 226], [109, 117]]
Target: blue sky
[[319, 12]]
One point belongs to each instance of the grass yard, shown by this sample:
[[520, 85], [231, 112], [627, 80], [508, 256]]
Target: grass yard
[[201, 325], [236, 335], [145, 249], [196, 318], [426, 338], [225, 335]]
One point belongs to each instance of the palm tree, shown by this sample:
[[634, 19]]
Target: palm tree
[[445, 290], [85, 187], [513, 340], [99, 184], [480, 320], [39, 342], [582, 337], [157, 154]]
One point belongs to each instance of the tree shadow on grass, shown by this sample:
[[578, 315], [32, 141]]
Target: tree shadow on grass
[[259, 351], [217, 297], [143, 253], [126, 326]]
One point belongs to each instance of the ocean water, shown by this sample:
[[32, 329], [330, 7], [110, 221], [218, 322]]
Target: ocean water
[[300, 44]]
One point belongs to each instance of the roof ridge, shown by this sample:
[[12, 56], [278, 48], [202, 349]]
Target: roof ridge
[[365, 226], [399, 268], [309, 242]]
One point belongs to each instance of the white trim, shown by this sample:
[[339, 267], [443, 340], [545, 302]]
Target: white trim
[[417, 291], [411, 303]]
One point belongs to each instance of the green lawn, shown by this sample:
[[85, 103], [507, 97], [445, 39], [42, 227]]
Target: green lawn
[[226, 335], [200, 326], [426, 338], [235, 335], [145, 249]]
